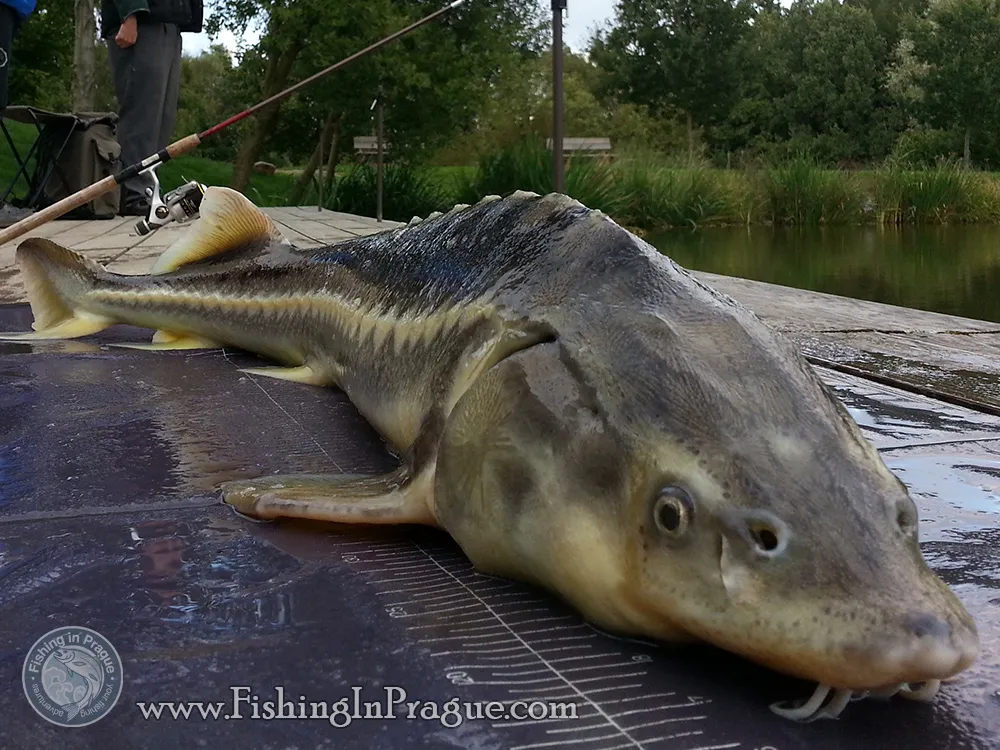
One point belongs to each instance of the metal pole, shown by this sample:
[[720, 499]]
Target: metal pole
[[322, 136], [558, 181], [378, 177]]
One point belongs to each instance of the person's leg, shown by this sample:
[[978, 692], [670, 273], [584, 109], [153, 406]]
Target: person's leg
[[130, 105], [141, 74], [172, 55]]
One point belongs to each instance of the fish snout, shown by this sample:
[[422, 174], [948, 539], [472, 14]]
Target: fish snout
[[927, 647]]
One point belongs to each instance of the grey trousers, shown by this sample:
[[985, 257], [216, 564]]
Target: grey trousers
[[147, 80]]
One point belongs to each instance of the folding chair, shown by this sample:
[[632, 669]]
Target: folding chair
[[64, 162]]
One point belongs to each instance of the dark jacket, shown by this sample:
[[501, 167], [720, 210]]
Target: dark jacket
[[186, 14]]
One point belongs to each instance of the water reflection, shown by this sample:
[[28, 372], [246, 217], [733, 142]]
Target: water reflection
[[205, 573], [953, 269], [888, 416]]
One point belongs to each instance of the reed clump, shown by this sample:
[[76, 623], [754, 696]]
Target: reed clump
[[799, 193], [945, 194], [407, 191], [654, 194], [648, 191], [527, 165]]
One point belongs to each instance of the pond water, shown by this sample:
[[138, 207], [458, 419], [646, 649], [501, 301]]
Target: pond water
[[954, 270]]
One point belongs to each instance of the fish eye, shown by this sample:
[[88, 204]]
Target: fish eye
[[906, 516], [906, 511], [673, 511]]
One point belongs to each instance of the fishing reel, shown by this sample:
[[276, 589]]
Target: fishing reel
[[179, 205]]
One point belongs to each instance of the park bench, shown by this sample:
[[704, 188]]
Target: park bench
[[584, 146], [367, 145]]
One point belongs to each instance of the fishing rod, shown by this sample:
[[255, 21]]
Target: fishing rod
[[190, 142]]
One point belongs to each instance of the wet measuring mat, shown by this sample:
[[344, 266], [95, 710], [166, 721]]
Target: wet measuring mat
[[109, 519]]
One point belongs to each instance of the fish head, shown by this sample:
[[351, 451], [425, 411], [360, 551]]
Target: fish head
[[756, 515], [800, 559], [64, 655]]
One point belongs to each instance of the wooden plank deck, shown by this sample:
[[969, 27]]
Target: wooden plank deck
[[956, 357], [952, 358]]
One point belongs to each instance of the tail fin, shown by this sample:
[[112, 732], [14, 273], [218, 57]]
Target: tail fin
[[55, 278]]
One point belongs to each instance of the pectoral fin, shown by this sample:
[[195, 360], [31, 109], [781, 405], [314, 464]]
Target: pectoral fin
[[394, 498]]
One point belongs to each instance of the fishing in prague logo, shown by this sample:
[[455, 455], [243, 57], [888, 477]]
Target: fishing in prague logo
[[72, 676]]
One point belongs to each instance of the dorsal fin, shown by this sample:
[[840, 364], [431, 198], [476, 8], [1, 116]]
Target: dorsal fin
[[228, 221]]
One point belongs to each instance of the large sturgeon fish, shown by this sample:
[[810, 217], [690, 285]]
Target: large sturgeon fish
[[576, 411]]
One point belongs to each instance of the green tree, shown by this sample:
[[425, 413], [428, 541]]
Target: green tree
[[675, 55], [41, 64], [816, 82], [520, 106], [206, 97], [85, 42], [958, 43], [433, 79], [892, 16], [590, 112], [584, 116]]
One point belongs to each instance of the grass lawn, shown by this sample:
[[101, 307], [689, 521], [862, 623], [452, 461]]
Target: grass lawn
[[263, 190], [23, 136], [449, 177]]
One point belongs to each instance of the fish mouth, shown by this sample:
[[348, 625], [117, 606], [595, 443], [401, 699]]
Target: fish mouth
[[936, 649], [913, 667], [882, 663]]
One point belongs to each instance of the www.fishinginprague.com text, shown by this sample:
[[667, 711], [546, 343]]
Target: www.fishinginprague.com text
[[392, 704]]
